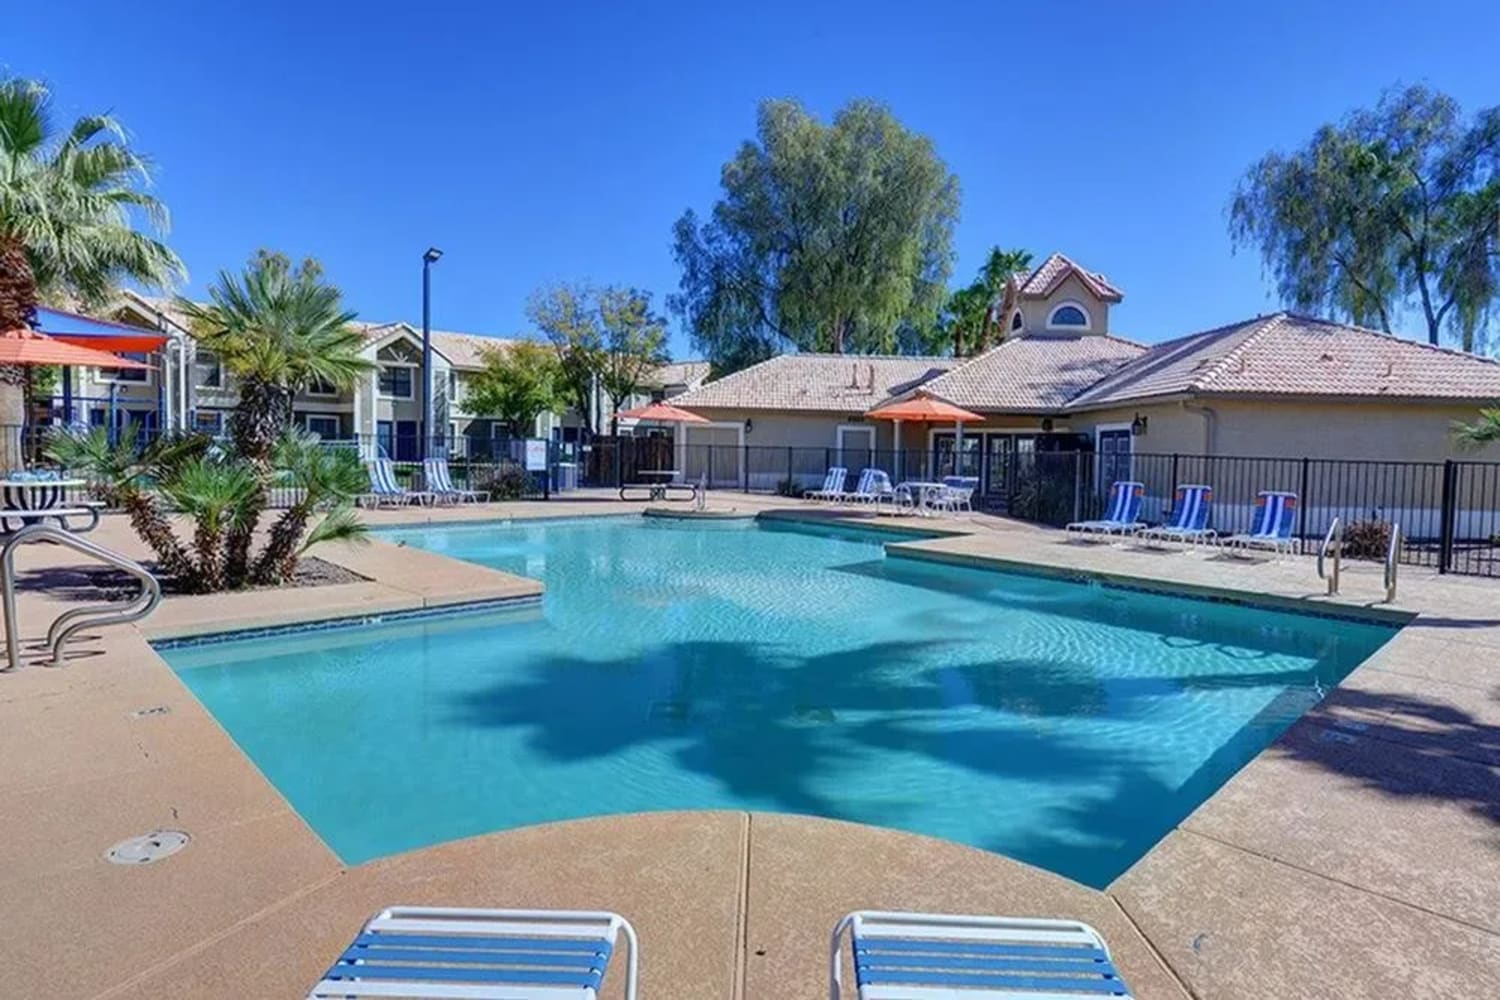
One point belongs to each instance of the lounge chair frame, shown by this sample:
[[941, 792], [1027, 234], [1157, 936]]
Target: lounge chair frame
[[944, 956], [480, 954]]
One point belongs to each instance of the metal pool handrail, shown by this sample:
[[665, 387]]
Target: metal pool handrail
[[1334, 541], [1392, 560], [69, 622]]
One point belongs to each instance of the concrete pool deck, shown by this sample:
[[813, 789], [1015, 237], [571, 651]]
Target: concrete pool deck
[[1357, 856]]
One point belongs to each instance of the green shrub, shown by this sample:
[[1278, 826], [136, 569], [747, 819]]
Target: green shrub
[[788, 488], [504, 480]]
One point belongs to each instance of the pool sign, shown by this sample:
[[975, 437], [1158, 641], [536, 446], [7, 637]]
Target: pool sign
[[536, 455]]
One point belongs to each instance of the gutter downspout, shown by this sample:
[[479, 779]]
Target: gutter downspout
[[1210, 424]]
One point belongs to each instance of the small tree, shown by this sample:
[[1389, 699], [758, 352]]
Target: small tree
[[1485, 430], [518, 383], [565, 315], [634, 344]]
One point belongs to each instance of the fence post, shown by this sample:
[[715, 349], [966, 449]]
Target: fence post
[[619, 462], [1077, 485], [1303, 502], [1449, 516], [791, 484], [708, 480], [744, 468]]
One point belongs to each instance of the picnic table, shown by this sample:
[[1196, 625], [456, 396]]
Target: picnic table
[[658, 485]]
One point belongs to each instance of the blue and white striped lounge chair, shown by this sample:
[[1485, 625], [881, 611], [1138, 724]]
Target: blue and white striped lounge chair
[[439, 482], [1275, 519], [1123, 516], [1190, 514], [864, 492], [833, 485], [385, 490], [937, 956], [462, 954]]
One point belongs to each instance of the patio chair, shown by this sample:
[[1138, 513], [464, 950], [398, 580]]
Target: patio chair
[[439, 482], [903, 956], [957, 494], [430, 951], [1190, 514], [833, 485], [899, 497], [385, 490], [1275, 517], [1123, 515]]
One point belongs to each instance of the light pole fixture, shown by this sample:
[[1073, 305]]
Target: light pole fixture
[[431, 257]]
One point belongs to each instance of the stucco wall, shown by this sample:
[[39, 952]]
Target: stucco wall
[[1035, 310]]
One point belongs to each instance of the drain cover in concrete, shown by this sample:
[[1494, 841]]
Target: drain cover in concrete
[[148, 848]]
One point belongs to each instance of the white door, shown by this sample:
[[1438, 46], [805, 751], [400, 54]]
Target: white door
[[713, 454], [856, 450]]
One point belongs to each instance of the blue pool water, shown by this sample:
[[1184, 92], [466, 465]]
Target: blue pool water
[[684, 667]]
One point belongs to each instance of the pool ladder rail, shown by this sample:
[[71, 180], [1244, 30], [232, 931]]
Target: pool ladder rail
[[71, 621], [1330, 558]]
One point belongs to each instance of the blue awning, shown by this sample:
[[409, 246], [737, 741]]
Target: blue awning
[[96, 333]]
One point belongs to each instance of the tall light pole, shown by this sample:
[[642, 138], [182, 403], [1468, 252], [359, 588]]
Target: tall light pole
[[431, 257]]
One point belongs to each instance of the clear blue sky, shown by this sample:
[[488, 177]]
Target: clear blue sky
[[543, 141]]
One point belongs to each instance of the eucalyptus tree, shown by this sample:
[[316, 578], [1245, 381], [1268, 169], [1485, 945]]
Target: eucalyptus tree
[[635, 343], [1392, 207], [75, 218], [831, 237]]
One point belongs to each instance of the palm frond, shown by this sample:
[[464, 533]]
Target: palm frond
[[342, 524]]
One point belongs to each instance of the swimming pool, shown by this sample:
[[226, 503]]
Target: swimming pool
[[773, 667]]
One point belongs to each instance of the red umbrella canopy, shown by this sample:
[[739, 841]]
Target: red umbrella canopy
[[922, 408], [27, 347], [663, 413]]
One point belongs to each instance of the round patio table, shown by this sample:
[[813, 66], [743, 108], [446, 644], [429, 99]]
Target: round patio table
[[924, 491]]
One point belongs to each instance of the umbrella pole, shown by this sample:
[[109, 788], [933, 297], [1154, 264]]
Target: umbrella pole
[[67, 393]]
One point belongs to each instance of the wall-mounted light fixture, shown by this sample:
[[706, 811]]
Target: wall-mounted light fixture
[[749, 425], [1046, 425], [1138, 426]]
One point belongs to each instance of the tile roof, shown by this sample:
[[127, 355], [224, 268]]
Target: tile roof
[[1289, 355], [688, 373], [1056, 268], [1033, 372], [826, 383]]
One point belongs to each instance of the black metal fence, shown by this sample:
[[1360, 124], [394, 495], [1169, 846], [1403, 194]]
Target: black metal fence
[[1448, 511]]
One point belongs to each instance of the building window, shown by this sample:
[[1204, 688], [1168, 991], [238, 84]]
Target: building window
[[395, 381], [127, 374], [324, 425], [208, 422], [210, 370], [321, 387], [1017, 321], [1068, 316]]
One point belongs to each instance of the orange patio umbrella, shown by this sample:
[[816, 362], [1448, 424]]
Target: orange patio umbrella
[[926, 409], [663, 413], [28, 347]]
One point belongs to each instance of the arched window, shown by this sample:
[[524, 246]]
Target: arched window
[[1068, 316], [1017, 321]]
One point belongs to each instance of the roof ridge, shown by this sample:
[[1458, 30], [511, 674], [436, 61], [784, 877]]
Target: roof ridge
[[1236, 352]]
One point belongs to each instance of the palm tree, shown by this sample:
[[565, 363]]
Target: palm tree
[[69, 204], [219, 496], [1000, 277], [276, 329], [122, 470], [325, 478], [1485, 430]]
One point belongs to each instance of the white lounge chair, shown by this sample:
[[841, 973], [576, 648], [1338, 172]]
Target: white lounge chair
[[1275, 519], [863, 491], [1190, 515], [465, 954], [1123, 516], [439, 482], [940, 956], [385, 490], [833, 485]]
